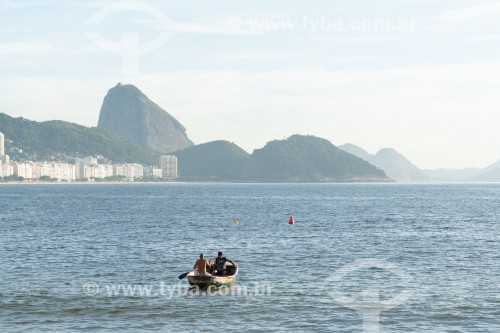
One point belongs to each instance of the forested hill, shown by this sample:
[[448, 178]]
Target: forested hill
[[308, 159], [212, 161], [26, 139], [296, 159]]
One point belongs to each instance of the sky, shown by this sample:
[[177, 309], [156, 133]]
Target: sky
[[419, 76]]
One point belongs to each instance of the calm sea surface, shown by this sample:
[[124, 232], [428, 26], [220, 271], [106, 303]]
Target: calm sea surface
[[79, 258]]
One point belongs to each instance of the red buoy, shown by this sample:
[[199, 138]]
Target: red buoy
[[291, 221]]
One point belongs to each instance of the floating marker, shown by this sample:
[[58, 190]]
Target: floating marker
[[235, 222], [291, 221]]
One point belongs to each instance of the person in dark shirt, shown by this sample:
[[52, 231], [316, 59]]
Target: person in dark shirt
[[220, 264]]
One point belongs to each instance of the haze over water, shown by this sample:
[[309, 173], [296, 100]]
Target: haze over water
[[60, 241]]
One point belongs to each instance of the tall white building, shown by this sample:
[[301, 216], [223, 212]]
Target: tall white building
[[131, 172], [88, 168], [79, 169], [168, 165], [4, 159], [6, 170], [134, 171], [2, 144], [24, 170], [35, 170]]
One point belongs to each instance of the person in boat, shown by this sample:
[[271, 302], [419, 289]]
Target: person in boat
[[201, 265], [220, 264]]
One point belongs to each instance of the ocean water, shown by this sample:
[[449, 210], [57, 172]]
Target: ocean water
[[360, 258]]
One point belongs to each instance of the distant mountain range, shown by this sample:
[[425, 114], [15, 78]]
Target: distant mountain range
[[296, 159], [454, 175], [490, 174], [132, 128], [395, 165], [399, 168]]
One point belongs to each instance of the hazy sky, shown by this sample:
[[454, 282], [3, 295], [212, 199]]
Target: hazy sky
[[420, 76]]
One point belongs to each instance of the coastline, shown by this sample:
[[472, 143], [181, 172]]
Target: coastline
[[87, 183], [353, 181]]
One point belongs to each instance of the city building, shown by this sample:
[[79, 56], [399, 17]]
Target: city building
[[2, 144], [24, 170], [4, 159], [32, 166], [83, 169], [131, 172], [6, 170], [152, 172], [79, 169], [119, 170], [135, 171], [34, 170], [156, 173], [87, 168], [168, 165]]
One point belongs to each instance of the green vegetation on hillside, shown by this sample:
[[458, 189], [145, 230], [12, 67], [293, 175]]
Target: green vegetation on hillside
[[44, 140], [307, 159], [297, 159], [212, 161]]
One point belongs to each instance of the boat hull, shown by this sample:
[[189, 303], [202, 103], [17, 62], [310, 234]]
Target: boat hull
[[205, 281]]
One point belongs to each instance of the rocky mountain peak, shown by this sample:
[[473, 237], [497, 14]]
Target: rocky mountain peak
[[131, 114]]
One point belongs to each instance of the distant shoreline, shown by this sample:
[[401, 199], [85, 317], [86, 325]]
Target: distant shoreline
[[207, 182], [86, 183]]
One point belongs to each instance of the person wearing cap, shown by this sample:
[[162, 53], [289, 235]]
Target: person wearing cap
[[201, 265], [220, 264]]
